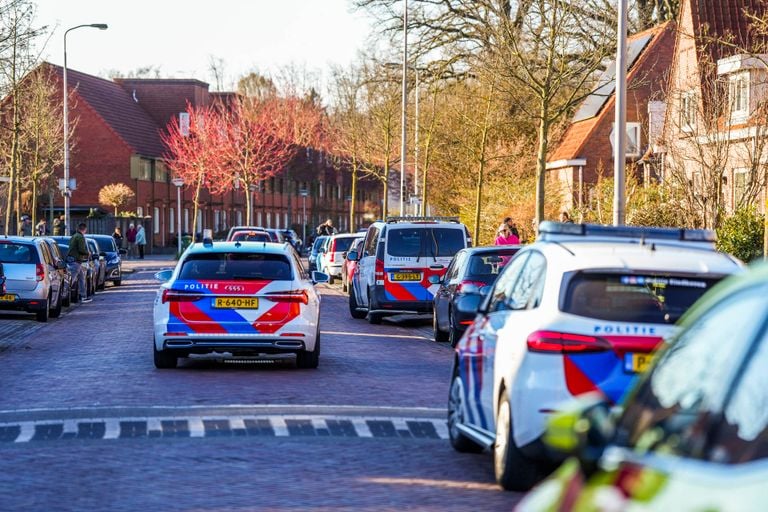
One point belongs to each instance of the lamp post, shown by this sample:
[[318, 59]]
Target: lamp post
[[178, 182], [303, 192], [66, 189], [620, 122], [403, 143]]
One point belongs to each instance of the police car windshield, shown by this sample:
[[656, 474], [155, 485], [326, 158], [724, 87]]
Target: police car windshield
[[659, 299], [415, 242], [236, 266]]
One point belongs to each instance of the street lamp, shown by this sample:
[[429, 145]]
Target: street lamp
[[178, 182], [403, 143], [66, 188], [303, 192], [620, 121]]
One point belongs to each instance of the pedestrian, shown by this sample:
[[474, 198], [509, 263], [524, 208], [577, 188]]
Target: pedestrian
[[25, 226], [58, 226], [141, 240], [41, 229], [118, 236], [326, 228], [512, 226], [504, 236], [130, 236], [76, 257], [564, 217]]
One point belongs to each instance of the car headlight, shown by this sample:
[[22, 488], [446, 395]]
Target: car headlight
[[114, 261]]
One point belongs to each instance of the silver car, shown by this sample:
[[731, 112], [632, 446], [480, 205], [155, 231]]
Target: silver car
[[33, 282]]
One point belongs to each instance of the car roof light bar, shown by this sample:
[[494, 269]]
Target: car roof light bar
[[549, 230], [422, 219]]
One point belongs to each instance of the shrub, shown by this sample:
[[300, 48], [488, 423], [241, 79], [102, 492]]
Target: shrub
[[741, 234]]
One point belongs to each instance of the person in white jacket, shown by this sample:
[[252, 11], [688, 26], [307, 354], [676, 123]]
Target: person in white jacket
[[141, 240]]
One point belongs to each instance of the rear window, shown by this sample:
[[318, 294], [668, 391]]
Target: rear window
[[343, 244], [245, 236], [319, 241], [17, 253], [487, 265], [105, 244], [412, 242], [660, 299], [236, 266]]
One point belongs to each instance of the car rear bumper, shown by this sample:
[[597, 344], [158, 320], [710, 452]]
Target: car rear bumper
[[381, 304], [236, 345], [29, 305]]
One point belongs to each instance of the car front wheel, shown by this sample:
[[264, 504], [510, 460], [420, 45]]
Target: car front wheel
[[353, 311]]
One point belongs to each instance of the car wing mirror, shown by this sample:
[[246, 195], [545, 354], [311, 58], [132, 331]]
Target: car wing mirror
[[582, 429], [164, 275], [352, 255], [122, 252], [320, 277]]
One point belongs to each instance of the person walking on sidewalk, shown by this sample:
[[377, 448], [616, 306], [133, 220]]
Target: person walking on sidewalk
[[76, 257], [141, 240], [130, 236], [504, 236], [118, 236]]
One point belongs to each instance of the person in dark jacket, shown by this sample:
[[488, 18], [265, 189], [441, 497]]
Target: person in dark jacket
[[78, 255], [326, 228]]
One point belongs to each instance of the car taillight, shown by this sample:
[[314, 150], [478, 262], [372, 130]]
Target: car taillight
[[379, 269], [39, 272], [332, 251], [468, 286], [289, 296], [174, 296], [563, 342]]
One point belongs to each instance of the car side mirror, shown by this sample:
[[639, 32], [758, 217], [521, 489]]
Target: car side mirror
[[321, 250], [582, 429], [320, 277], [164, 275], [434, 279], [352, 255], [102, 253], [122, 252]]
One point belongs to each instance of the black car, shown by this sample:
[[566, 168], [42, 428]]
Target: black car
[[91, 270], [112, 255], [455, 303]]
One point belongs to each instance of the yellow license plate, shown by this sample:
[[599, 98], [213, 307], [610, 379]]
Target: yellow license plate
[[7, 298], [406, 276], [236, 302], [637, 363]]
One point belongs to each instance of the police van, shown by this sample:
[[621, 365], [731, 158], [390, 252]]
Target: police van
[[398, 257]]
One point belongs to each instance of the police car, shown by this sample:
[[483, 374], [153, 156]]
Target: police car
[[579, 310], [398, 258], [237, 300]]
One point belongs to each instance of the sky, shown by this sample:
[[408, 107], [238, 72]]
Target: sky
[[180, 36]]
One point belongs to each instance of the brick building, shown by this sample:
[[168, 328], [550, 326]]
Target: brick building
[[117, 140], [586, 151]]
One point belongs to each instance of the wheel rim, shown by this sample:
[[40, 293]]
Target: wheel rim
[[502, 437], [456, 413]]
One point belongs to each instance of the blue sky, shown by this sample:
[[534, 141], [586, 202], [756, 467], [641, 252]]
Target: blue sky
[[179, 36]]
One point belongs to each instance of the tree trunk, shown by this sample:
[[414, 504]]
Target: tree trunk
[[481, 165], [196, 204], [541, 164], [248, 201]]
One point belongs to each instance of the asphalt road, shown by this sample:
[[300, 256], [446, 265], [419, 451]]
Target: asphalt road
[[88, 423]]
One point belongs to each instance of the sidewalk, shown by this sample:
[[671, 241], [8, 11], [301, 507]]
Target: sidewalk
[[150, 262]]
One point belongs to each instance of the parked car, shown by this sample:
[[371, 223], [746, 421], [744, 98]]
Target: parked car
[[99, 262], [251, 236], [237, 229], [398, 258], [315, 251], [112, 257], [61, 266], [693, 433], [579, 310], [294, 239], [458, 292], [276, 235], [240, 300], [333, 254], [33, 282], [2, 280], [349, 267], [91, 271]]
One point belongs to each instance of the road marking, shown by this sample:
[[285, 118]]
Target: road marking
[[293, 425]]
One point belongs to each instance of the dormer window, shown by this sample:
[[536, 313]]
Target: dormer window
[[738, 95]]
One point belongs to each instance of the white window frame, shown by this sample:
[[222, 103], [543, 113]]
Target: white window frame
[[688, 111], [239, 217], [637, 129], [156, 220], [172, 219], [139, 211], [216, 221], [186, 220], [740, 172], [738, 96]]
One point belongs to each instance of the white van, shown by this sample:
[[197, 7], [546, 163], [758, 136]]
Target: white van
[[398, 257]]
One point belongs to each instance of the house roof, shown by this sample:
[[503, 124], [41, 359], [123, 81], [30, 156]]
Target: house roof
[[728, 20], [118, 109], [574, 139]]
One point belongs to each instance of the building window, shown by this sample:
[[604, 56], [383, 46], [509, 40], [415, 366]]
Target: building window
[[633, 139], [697, 184], [740, 182], [156, 220], [224, 219], [688, 110], [258, 216], [285, 221], [161, 172], [172, 220], [239, 217], [139, 211], [186, 220], [738, 93], [320, 190]]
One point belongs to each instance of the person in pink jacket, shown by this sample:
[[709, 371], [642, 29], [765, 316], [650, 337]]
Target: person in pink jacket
[[504, 236]]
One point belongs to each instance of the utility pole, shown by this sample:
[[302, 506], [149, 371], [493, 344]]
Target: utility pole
[[620, 122]]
